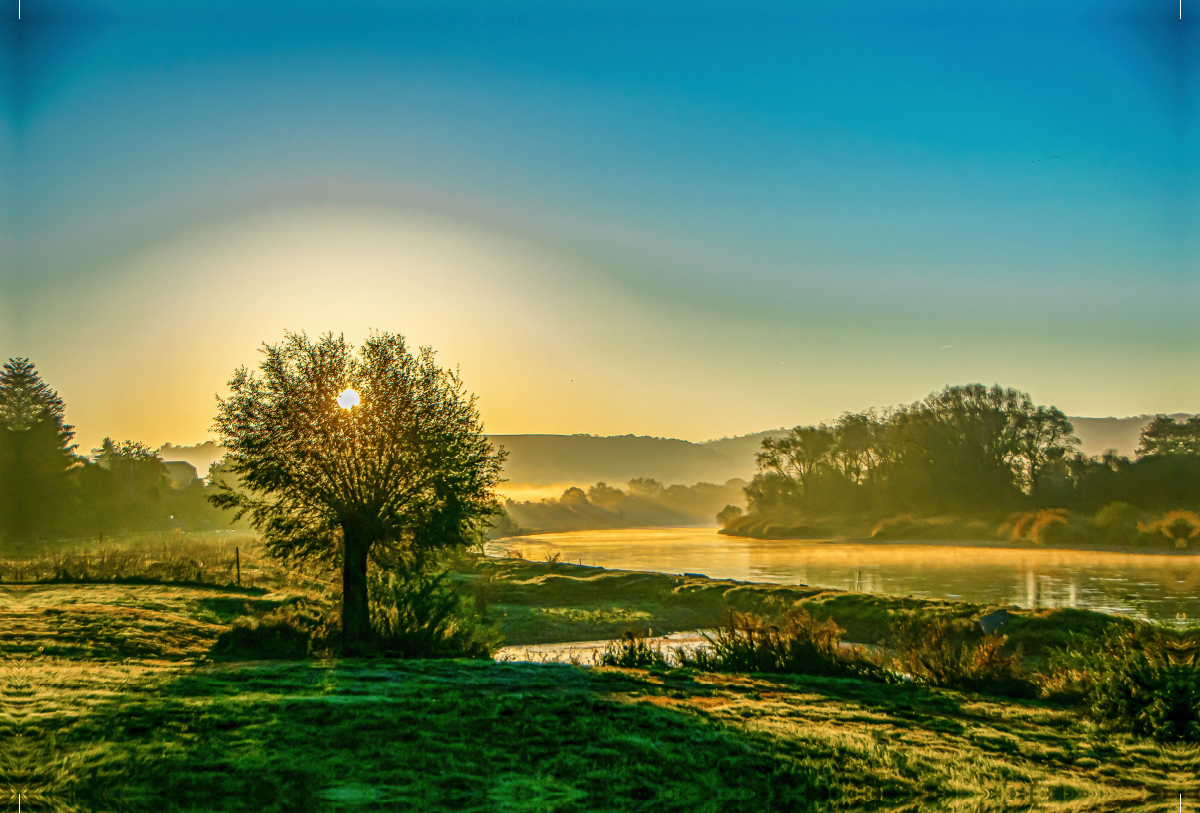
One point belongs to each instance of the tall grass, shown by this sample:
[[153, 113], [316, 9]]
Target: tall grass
[[168, 557], [1145, 680], [421, 615], [954, 653], [792, 643], [632, 652], [296, 630]]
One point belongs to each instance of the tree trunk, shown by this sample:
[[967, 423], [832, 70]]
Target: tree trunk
[[356, 610]]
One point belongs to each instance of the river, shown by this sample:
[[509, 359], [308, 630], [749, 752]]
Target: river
[[1157, 586]]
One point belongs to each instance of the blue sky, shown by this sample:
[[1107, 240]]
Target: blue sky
[[675, 219]]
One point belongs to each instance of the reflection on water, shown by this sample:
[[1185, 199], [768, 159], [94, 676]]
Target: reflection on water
[[1165, 587]]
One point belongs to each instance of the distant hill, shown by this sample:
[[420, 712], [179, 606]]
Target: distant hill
[[1098, 435], [587, 459], [544, 460]]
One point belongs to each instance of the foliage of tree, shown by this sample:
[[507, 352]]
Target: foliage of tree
[[1167, 436], [36, 455], [967, 450], [961, 449], [405, 473]]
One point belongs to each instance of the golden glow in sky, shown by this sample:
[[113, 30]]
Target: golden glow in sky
[[690, 225], [540, 331]]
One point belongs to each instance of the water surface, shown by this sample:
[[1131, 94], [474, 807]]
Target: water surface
[[1158, 586]]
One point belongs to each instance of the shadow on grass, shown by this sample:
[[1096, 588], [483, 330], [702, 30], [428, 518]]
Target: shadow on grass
[[474, 736], [452, 735], [227, 608], [228, 587], [919, 705]]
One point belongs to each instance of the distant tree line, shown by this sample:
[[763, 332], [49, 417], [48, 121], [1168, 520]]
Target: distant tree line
[[967, 450], [49, 491], [645, 502]]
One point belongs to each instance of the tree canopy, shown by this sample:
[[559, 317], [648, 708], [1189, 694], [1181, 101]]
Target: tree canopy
[[961, 449], [405, 472], [36, 454], [964, 451], [1165, 435]]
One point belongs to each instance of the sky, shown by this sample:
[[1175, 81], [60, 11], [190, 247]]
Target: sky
[[677, 219]]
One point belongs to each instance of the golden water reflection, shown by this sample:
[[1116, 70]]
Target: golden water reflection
[[1165, 587]]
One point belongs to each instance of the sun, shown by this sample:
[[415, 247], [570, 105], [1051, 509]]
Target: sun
[[348, 399]]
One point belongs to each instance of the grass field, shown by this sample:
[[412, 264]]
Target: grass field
[[110, 703]]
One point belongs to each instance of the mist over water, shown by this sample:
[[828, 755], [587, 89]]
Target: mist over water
[[1159, 587]]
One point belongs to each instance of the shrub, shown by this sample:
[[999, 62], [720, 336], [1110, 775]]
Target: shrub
[[1116, 514], [954, 653], [420, 615], [1145, 680], [1179, 526], [1046, 526], [728, 515], [296, 630], [632, 652], [1151, 696], [483, 591], [904, 526], [794, 643]]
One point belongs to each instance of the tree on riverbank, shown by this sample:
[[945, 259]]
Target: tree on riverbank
[[966, 451], [348, 455], [964, 448]]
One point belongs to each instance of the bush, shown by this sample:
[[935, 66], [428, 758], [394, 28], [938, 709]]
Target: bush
[[296, 630], [1145, 680], [794, 643], [632, 652], [420, 615], [728, 515], [1179, 526], [1153, 697], [956, 654], [1046, 526], [1118, 515], [904, 526]]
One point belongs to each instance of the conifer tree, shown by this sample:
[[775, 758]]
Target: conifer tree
[[35, 455]]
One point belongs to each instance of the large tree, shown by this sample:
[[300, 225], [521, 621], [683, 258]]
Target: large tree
[[798, 455], [346, 454], [35, 455], [1166, 436]]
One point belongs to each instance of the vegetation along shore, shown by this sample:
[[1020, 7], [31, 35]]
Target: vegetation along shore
[[973, 463], [131, 679]]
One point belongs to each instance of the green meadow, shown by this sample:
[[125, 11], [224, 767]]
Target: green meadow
[[114, 700]]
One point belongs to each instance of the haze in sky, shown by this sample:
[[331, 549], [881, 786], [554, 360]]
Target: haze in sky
[[670, 219]]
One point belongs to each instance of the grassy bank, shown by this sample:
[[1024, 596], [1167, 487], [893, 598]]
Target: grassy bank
[[535, 603], [138, 720], [111, 701], [1117, 526]]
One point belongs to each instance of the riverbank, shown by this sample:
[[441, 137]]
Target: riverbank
[[540, 603], [1118, 528], [999, 544], [110, 703], [1159, 585]]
